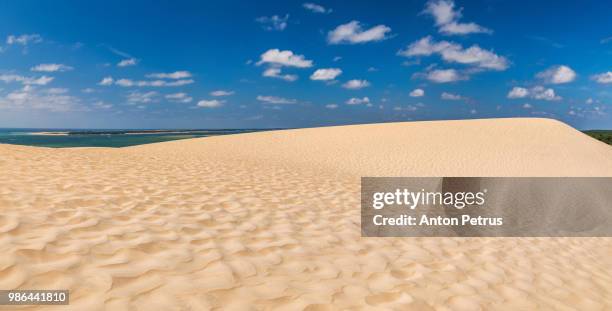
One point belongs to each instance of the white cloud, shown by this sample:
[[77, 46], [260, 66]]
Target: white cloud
[[316, 8], [179, 98], [603, 78], [417, 93], [142, 98], [127, 62], [277, 57], [355, 84], [450, 96], [557, 75], [331, 106], [454, 53], [274, 22], [23, 39], [106, 81], [170, 75], [537, 92], [41, 99], [410, 108], [214, 103], [352, 33], [102, 105], [444, 76], [527, 106], [541, 93], [43, 80], [125, 82], [51, 68], [463, 29], [447, 19], [326, 74], [218, 93], [275, 100], [56, 90], [358, 101], [88, 90], [442, 11], [276, 73], [518, 92], [151, 83]]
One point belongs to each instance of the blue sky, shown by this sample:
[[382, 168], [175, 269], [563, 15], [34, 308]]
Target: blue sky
[[245, 64]]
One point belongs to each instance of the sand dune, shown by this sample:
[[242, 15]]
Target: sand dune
[[270, 221]]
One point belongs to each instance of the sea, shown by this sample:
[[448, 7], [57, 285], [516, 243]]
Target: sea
[[116, 138]]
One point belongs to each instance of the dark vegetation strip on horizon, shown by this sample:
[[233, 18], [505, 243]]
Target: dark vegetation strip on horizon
[[602, 135]]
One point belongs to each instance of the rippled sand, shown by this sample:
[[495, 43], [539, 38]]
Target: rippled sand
[[270, 220]]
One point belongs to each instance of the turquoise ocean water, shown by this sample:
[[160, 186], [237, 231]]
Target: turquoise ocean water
[[102, 138]]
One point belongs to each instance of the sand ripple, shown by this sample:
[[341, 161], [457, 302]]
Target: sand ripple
[[158, 228]]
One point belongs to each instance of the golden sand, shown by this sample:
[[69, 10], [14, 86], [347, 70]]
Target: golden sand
[[270, 221]]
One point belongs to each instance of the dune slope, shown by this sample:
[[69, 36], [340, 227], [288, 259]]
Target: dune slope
[[271, 221]]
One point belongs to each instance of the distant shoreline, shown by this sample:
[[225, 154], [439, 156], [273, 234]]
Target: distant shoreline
[[138, 132]]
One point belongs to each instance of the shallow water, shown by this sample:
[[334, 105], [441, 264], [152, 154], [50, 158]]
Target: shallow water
[[102, 138]]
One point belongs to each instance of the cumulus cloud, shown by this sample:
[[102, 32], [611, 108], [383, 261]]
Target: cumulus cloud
[[316, 8], [179, 98], [527, 106], [358, 101], [150, 83], [518, 92], [30, 97], [106, 81], [331, 106], [353, 33], [8, 78], [595, 111], [127, 62], [454, 53], [274, 22], [56, 90], [446, 17], [275, 100], [537, 92], [286, 58], [557, 75], [218, 93], [24, 39], [142, 97], [444, 76], [214, 103], [542, 93], [51, 68], [603, 78], [277, 74], [102, 105], [409, 108], [355, 84], [417, 93], [450, 96], [170, 75], [326, 74]]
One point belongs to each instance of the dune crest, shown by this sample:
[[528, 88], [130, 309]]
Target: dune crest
[[271, 220]]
